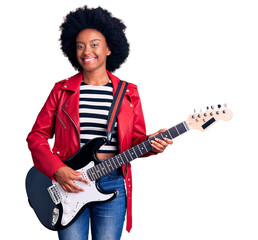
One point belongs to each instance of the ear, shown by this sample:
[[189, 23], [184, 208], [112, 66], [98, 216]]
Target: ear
[[108, 52]]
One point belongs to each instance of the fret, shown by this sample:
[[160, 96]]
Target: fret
[[90, 174], [107, 165], [113, 160], [149, 142], [117, 161], [181, 128], [141, 148], [145, 147], [148, 146], [177, 130], [170, 135], [120, 160], [173, 132], [166, 134], [131, 154], [112, 164], [101, 170], [94, 173], [102, 166], [162, 136], [135, 152], [186, 126], [126, 157], [138, 150], [98, 171]]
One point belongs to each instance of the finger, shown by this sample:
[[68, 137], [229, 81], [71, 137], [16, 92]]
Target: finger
[[161, 143], [69, 189], [164, 142], [162, 130], [75, 173], [64, 188], [157, 150], [168, 141], [80, 179], [75, 188], [158, 147]]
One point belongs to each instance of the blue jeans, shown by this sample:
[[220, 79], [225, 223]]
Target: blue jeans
[[107, 219]]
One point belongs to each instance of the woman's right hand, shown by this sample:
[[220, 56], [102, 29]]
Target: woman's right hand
[[66, 176]]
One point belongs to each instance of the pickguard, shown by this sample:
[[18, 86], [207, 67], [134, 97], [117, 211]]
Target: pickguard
[[73, 203]]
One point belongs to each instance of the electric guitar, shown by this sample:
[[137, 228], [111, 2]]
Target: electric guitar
[[57, 209]]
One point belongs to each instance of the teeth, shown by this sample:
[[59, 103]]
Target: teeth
[[89, 59]]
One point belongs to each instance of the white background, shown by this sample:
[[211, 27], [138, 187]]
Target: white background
[[184, 55]]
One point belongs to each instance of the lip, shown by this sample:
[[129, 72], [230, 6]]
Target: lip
[[88, 60]]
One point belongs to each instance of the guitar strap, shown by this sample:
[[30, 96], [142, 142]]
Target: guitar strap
[[114, 109]]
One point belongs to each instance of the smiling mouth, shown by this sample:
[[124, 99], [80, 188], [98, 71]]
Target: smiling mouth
[[87, 60]]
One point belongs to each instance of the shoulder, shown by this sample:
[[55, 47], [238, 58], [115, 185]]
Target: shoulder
[[72, 83], [132, 93], [132, 90], [59, 84], [132, 86]]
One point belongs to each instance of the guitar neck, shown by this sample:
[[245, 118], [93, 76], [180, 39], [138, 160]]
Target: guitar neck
[[129, 155]]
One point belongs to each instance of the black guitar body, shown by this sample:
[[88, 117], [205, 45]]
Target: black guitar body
[[49, 213]]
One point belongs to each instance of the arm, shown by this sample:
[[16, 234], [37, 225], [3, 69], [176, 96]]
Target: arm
[[44, 160]]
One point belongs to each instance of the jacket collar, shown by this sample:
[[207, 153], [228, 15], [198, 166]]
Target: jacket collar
[[73, 83]]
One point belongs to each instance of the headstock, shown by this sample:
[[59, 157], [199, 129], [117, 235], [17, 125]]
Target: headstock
[[203, 120]]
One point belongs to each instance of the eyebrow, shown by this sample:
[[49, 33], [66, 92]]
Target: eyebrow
[[90, 40]]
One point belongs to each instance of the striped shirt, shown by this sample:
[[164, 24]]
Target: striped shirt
[[94, 105]]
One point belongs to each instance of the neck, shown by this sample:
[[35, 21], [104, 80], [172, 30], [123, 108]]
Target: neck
[[96, 78]]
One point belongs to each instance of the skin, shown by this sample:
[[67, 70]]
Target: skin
[[92, 52]]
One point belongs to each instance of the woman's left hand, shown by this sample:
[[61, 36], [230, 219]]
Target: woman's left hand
[[159, 145]]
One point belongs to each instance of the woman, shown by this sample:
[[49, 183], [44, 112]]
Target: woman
[[76, 112]]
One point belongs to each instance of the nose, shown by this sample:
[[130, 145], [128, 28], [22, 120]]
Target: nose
[[87, 50]]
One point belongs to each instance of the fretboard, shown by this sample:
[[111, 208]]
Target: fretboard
[[129, 155]]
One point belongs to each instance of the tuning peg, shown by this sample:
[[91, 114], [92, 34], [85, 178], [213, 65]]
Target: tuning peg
[[207, 108], [212, 107], [225, 105], [219, 106], [193, 116]]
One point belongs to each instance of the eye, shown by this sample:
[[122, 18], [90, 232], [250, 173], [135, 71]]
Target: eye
[[79, 47], [93, 45]]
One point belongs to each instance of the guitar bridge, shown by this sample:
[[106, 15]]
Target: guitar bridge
[[54, 194]]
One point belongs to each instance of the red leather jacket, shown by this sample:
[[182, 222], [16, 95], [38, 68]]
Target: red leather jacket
[[60, 117]]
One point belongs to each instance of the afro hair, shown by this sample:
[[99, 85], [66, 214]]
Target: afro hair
[[101, 20]]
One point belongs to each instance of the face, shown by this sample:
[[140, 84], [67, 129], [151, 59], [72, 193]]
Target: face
[[92, 50]]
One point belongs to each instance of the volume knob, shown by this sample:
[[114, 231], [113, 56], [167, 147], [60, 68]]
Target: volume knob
[[66, 210], [64, 221]]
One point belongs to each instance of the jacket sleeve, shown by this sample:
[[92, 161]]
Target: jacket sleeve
[[44, 160]]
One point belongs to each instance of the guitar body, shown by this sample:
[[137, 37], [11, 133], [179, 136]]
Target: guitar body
[[57, 209]]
